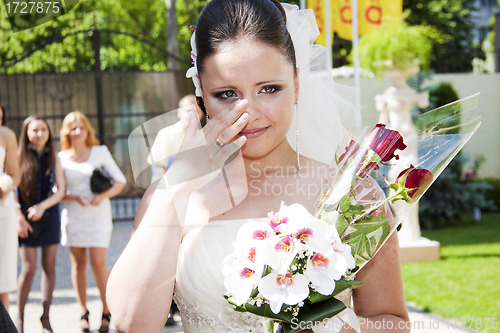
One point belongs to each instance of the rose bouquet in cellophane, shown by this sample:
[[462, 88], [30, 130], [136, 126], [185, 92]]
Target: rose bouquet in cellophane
[[293, 266]]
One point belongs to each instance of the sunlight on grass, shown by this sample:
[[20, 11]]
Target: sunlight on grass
[[465, 283]]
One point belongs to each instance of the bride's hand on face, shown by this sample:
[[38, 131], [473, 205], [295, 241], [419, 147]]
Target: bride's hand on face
[[200, 155]]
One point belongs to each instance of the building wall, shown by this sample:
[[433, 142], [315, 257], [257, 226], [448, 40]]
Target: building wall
[[482, 16], [485, 141]]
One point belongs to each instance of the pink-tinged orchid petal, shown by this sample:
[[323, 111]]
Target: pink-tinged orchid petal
[[251, 254], [284, 244], [313, 235], [324, 268], [304, 234], [246, 273], [260, 234], [240, 280], [252, 232], [319, 260], [282, 289]]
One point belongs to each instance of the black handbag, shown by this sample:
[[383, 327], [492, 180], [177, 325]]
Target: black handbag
[[100, 181]]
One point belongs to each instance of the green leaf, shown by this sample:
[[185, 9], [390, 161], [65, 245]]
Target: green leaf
[[311, 313], [345, 202], [340, 286], [368, 234], [356, 209], [265, 311], [333, 217]]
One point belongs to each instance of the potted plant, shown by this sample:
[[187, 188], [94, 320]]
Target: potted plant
[[396, 49]]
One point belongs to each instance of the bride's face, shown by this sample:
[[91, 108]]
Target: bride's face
[[259, 73]]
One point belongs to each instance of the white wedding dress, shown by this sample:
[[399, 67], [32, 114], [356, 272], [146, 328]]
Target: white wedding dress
[[199, 286], [8, 238]]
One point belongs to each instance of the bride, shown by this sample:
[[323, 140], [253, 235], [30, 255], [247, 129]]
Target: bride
[[251, 70]]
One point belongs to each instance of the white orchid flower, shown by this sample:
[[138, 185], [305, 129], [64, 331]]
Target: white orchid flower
[[253, 231], [324, 269], [282, 289], [279, 251], [240, 280], [339, 247], [289, 218], [314, 235]]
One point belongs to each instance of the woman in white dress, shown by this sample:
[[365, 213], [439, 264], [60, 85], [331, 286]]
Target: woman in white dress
[[250, 85], [9, 180], [86, 220]]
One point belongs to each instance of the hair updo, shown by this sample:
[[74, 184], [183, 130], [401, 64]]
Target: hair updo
[[227, 20]]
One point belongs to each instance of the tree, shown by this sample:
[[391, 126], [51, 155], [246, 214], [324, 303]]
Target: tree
[[454, 20], [133, 38]]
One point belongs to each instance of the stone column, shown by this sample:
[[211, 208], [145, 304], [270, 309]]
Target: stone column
[[395, 106]]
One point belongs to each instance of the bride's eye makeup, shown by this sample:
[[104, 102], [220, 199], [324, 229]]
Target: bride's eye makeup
[[270, 89], [226, 94]]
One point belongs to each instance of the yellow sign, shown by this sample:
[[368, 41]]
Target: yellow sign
[[318, 6], [371, 14]]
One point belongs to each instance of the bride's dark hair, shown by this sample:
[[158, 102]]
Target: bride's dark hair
[[227, 20]]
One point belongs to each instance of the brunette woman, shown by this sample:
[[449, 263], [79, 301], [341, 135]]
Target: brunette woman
[[42, 187]]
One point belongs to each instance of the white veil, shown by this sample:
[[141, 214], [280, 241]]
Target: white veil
[[323, 114]]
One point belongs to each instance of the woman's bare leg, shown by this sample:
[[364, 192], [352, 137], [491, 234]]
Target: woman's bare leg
[[98, 264], [78, 257]]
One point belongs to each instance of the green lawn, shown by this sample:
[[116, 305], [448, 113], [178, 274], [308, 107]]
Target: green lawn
[[465, 282]]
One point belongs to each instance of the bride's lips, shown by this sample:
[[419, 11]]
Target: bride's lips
[[252, 133]]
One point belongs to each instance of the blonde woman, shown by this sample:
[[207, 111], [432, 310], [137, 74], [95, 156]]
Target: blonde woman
[[86, 220]]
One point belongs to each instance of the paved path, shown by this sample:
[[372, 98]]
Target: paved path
[[65, 312]]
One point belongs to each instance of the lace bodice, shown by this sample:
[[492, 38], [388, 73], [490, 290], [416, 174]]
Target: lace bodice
[[200, 282]]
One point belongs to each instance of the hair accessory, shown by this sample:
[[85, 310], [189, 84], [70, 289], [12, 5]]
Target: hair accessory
[[193, 71]]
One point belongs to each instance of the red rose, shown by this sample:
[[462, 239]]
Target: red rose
[[384, 142], [417, 179], [350, 151]]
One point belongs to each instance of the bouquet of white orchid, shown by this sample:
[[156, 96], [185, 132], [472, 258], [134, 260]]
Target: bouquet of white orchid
[[287, 265], [292, 266]]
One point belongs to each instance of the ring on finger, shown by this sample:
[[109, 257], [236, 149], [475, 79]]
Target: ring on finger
[[219, 143]]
